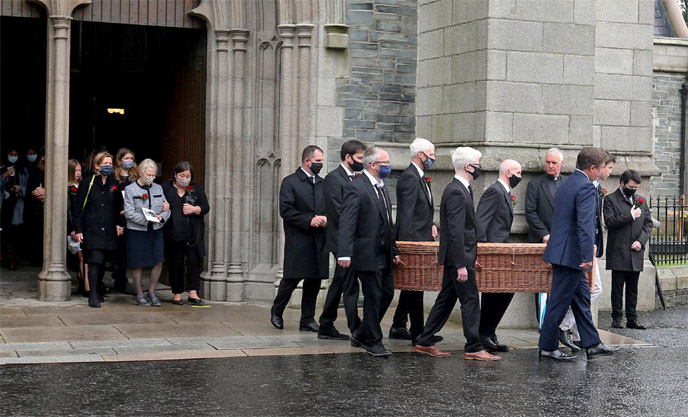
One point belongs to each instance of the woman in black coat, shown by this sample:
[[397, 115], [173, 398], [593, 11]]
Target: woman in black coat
[[184, 232], [97, 222]]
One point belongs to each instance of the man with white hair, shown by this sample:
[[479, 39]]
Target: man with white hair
[[494, 217], [414, 224], [458, 252], [366, 244]]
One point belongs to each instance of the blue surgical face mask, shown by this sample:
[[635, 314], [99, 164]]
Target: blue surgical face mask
[[106, 169], [128, 164], [385, 170], [31, 158], [12, 159]]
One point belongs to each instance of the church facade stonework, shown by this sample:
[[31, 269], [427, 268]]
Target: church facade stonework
[[508, 77]]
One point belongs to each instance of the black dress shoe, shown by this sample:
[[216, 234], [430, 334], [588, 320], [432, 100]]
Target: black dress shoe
[[357, 343], [556, 355], [179, 302], [378, 351], [331, 334], [195, 301], [616, 323], [500, 347], [488, 344], [277, 321], [565, 339], [635, 324], [309, 327], [401, 333], [600, 350]]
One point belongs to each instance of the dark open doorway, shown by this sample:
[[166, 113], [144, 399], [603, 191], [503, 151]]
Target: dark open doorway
[[155, 76]]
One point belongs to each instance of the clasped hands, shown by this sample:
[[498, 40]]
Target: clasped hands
[[319, 221]]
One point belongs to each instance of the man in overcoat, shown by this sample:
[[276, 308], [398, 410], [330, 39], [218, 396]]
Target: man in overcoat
[[302, 208]]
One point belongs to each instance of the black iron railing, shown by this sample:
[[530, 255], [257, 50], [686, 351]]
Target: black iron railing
[[669, 242]]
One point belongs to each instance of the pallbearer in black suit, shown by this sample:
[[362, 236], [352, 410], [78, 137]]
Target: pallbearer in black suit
[[344, 281], [628, 220], [494, 217], [366, 244], [302, 208], [458, 251], [414, 224]]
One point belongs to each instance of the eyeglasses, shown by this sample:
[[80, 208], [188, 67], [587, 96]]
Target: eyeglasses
[[385, 163]]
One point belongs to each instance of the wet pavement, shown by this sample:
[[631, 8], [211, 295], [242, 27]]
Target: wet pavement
[[638, 380]]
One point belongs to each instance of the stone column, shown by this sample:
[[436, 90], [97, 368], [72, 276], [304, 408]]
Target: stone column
[[235, 277], [304, 34], [54, 282], [287, 139]]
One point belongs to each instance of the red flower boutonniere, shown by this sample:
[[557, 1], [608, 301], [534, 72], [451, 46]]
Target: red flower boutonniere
[[144, 197], [513, 201], [114, 188], [603, 192], [428, 180], [190, 189], [74, 190], [640, 202], [358, 175]]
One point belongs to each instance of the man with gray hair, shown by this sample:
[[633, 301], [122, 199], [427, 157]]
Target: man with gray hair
[[366, 244], [414, 224], [458, 252], [494, 217]]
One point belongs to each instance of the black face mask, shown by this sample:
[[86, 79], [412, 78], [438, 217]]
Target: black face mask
[[513, 181], [316, 167], [355, 165], [629, 192], [476, 171]]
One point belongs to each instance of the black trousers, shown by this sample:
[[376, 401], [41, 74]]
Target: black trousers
[[176, 253], [311, 287], [344, 283], [493, 307], [410, 306], [119, 275], [630, 279], [467, 294], [378, 293]]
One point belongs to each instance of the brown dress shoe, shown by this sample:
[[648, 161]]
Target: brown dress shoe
[[483, 355], [432, 351]]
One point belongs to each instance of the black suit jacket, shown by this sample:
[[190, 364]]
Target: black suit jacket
[[98, 219], [495, 215], [458, 237], [539, 208], [333, 192], [300, 200], [414, 207], [365, 234], [623, 231], [599, 233]]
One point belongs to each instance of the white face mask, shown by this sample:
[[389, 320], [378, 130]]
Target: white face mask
[[183, 182], [148, 180]]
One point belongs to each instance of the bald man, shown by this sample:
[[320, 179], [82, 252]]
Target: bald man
[[494, 217]]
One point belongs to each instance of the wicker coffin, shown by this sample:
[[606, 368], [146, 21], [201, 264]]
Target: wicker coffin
[[500, 267]]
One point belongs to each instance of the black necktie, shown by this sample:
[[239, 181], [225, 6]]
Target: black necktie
[[470, 191], [381, 195], [351, 177]]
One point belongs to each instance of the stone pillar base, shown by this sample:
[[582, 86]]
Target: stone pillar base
[[235, 284], [55, 286], [213, 288]]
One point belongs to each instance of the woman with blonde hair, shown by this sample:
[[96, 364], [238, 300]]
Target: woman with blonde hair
[[125, 173], [146, 210], [97, 222], [73, 180]]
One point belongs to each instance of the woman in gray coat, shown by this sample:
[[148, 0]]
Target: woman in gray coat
[[146, 210]]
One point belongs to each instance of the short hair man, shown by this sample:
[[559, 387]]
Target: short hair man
[[570, 251], [415, 211], [494, 217], [302, 208], [344, 281], [366, 244], [629, 223], [458, 252]]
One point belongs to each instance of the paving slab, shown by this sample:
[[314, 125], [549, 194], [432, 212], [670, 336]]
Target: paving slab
[[35, 346], [122, 342], [11, 311], [114, 318], [175, 330], [162, 348], [65, 352], [167, 356], [212, 340], [30, 321], [50, 334], [263, 328], [51, 359], [206, 315]]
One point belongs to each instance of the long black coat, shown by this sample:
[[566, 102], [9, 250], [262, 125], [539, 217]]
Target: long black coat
[[458, 237], [300, 200], [495, 215], [99, 218], [365, 230], [599, 233], [540, 207], [414, 207], [333, 192], [623, 231], [180, 227]]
